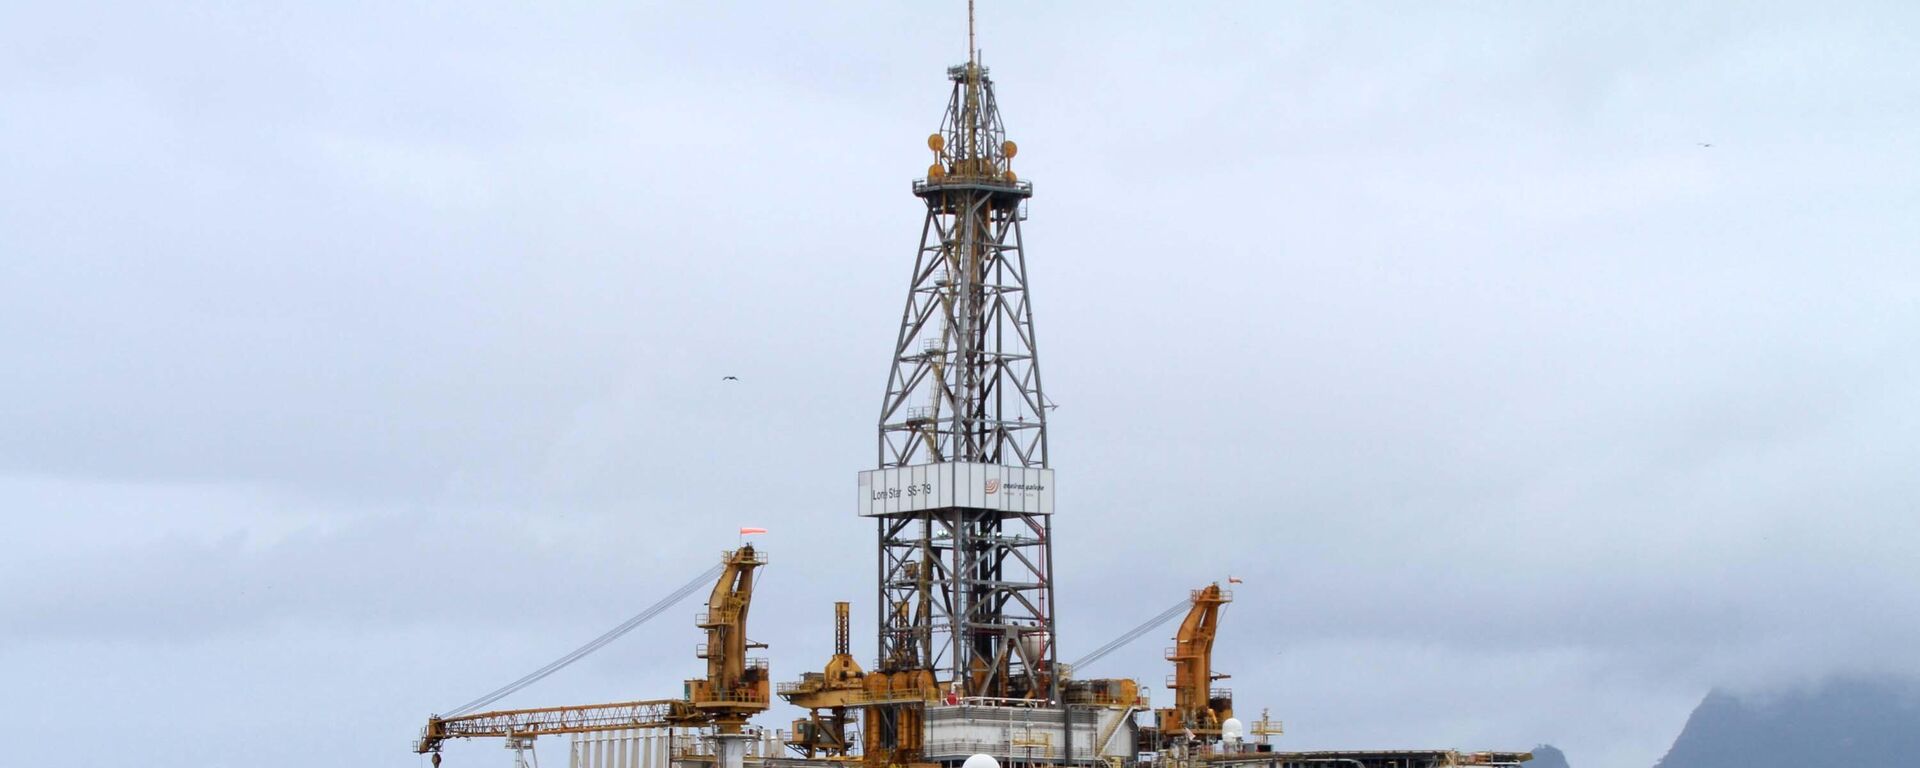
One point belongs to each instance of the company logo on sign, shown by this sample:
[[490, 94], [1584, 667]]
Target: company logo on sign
[[993, 485]]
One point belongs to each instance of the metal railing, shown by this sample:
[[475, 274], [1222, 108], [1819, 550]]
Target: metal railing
[[1104, 699], [889, 697], [1016, 749], [923, 184], [807, 680], [759, 558], [994, 701], [920, 414], [728, 697], [764, 744]]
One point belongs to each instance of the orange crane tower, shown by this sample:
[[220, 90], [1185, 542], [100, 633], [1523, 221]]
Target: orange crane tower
[[736, 686], [1198, 708]]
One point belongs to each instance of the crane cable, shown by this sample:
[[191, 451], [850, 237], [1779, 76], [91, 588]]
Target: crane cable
[[596, 644], [1132, 634]]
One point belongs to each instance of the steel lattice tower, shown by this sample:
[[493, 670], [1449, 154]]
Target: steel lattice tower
[[964, 587]]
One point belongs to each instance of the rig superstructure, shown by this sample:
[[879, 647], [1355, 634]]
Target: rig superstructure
[[967, 666]]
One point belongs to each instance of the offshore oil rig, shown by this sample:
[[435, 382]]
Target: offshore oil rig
[[967, 671]]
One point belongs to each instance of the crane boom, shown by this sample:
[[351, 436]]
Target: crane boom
[[1131, 635], [734, 689], [546, 721]]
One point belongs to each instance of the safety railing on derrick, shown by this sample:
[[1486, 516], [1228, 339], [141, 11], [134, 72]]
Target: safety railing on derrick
[[923, 184]]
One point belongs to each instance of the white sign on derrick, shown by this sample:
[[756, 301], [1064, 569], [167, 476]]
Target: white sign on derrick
[[896, 490]]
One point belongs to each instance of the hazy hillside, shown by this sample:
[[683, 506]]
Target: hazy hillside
[[1850, 722]]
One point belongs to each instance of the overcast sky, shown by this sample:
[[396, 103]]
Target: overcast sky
[[360, 357]]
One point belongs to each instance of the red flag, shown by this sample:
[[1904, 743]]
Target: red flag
[[1234, 580], [745, 531]]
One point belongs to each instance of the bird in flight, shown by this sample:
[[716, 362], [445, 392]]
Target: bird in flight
[[729, 378], [1704, 144]]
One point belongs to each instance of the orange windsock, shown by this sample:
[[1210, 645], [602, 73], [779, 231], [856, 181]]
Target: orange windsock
[[745, 531]]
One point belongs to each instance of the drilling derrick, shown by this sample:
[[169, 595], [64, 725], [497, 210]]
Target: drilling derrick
[[962, 493]]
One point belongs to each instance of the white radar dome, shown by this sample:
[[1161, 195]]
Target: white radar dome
[[1232, 729], [1035, 644], [981, 761]]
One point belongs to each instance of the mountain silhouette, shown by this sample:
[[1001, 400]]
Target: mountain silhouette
[[1547, 756], [1850, 722]]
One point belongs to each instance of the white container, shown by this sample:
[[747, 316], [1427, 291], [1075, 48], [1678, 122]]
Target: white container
[[899, 490]]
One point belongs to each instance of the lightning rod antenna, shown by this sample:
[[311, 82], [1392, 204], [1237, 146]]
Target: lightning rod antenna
[[972, 57]]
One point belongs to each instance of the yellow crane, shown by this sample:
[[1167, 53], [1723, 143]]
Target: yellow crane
[[1198, 708], [735, 688]]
